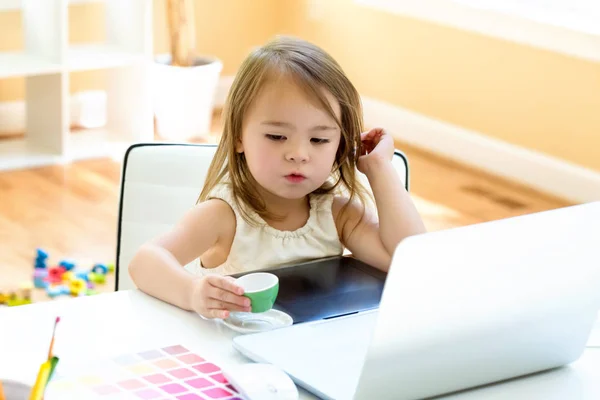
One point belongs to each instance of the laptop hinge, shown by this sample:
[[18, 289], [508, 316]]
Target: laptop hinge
[[341, 315]]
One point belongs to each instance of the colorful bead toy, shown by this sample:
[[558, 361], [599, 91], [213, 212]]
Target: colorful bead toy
[[69, 276], [97, 278], [55, 274], [39, 278], [62, 279], [67, 265], [82, 275], [77, 286], [55, 290], [100, 269], [21, 297], [40, 259]]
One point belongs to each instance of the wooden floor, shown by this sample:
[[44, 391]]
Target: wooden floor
[[71, 210]]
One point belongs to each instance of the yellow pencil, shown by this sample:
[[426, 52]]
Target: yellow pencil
[[2, 397], [40, 383]]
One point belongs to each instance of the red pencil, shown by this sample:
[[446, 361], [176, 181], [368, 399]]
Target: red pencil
[[52, 341]]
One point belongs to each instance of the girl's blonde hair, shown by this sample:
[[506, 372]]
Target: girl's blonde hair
[[313, 70]]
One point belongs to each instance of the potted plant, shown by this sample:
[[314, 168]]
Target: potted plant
[[184, 82]]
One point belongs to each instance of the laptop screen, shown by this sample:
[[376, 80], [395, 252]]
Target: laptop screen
[[327, 288]]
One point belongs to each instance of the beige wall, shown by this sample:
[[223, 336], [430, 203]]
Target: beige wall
[[533, 98], [529, 97], [228, 29], [11, 40]]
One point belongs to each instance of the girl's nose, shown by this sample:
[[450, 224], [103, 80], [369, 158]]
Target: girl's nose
[[297, 154]]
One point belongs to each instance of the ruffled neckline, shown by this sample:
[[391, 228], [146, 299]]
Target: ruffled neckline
[[302, 231]]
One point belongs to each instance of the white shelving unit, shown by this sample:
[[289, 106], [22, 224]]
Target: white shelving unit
[[46, 62]]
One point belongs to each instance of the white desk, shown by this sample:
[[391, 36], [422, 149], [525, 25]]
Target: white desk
[[107, 325]]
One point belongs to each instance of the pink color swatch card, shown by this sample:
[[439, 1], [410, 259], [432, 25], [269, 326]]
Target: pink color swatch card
[[171, 372]]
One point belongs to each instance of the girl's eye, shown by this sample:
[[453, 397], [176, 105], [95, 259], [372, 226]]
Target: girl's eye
[[275, 138], [319, 141]]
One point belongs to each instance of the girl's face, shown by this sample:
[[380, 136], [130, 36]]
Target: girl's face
[[288, 142]]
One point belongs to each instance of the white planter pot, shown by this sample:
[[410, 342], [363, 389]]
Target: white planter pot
[[184, 97]]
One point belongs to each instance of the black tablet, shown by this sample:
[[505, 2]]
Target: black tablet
[[327, 288]]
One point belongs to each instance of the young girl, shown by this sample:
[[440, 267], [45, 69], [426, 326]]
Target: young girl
[[282, 186]]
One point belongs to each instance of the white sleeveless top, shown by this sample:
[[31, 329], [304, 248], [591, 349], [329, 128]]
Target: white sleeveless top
[[262, 246]]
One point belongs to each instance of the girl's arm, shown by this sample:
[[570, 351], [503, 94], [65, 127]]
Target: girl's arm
[[372, 241], [157, 267]]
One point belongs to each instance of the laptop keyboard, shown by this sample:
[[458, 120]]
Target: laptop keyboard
[[337, 354]]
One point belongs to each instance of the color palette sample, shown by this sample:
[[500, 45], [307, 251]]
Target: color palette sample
[[171, 372]]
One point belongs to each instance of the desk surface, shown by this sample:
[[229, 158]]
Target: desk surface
[[107, 325]]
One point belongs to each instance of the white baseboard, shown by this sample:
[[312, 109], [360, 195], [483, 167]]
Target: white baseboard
[[533, 169]]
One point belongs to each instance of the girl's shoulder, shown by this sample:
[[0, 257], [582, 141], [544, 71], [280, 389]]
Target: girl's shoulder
[[346, 212], [213, 213], [222, 190]]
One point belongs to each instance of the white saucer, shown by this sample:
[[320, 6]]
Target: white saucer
[[245, 322]]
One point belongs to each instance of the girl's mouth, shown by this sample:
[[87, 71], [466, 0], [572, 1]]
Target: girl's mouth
[[295, 178]]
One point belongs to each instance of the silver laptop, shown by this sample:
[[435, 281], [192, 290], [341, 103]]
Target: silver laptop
[[460, 308]]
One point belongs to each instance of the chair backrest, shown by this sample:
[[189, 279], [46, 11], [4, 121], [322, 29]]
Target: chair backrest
[[160, 182]]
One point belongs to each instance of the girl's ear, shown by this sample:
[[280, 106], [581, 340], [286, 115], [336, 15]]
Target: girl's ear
[[239, 147]]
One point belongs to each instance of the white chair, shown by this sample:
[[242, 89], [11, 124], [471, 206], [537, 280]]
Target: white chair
[[159, 184]]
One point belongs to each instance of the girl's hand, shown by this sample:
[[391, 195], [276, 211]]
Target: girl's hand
[[215, 296], [377, 146]]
